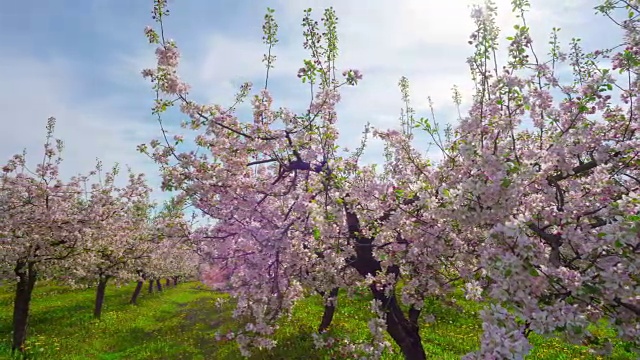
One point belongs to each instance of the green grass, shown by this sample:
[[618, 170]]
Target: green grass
[[180, 324]]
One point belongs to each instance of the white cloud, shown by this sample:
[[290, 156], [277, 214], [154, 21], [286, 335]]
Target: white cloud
[[423, 40], [34, 90]]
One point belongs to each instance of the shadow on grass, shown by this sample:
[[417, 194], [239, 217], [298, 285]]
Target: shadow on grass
[[62, 316], [61, 324], [181, 324]]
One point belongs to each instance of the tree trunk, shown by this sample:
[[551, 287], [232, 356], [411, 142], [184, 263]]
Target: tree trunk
[[167, 282], [26, 273], [136, 293], [175, 281], [329, 310], [158, 285], [404, 331], [150, 286], [102, 285]]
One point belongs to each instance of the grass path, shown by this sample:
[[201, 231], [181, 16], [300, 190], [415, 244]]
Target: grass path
[[180, 322]]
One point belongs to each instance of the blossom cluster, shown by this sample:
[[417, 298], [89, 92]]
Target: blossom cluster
[[534, 206]]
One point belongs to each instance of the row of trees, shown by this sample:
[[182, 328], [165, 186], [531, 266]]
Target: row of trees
[[535, 205], [87, 231]]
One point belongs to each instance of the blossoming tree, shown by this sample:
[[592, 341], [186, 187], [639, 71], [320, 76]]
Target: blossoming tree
[[117, 219], [291, 213], [170, 254], [548, 185], [41, 225], [560, 194], [541, 217]]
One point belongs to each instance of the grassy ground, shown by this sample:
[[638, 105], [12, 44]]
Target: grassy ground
[[180, 322]]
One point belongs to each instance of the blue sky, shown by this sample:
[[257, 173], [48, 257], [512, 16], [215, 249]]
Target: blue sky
[[80, 61]]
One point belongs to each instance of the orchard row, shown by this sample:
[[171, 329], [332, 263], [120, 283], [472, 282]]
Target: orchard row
[[86, 231]]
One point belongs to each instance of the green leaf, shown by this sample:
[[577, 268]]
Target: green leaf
[[590, 289], [633, 218]]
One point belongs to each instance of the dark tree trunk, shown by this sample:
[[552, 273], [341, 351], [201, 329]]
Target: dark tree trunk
[[329, 310], [26, 273], [102, 286], [136, 293], [167, 282], [150, 286], [404, 331], [175, 281], [158, 285]]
